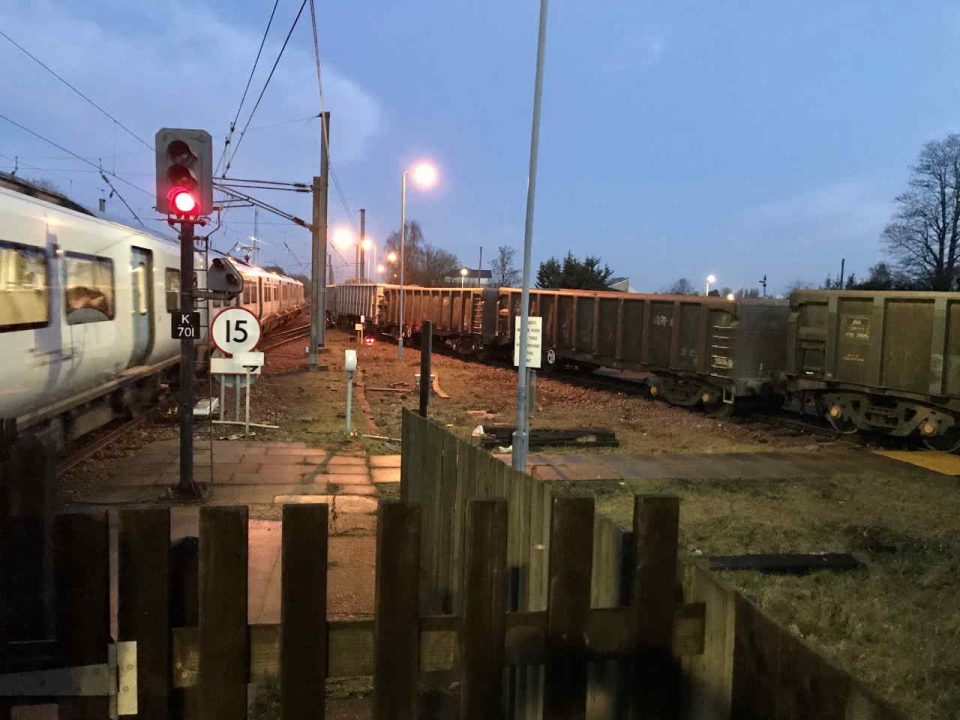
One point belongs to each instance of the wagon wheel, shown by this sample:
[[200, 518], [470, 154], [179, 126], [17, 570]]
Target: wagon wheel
[[681, 394], [949, 441], [842, 425], [720, 411]]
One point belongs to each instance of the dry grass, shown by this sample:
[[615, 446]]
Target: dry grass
[[896, 623]]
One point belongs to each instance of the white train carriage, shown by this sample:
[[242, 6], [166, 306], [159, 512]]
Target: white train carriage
[[84, 314], [272, 297], [85, 308]]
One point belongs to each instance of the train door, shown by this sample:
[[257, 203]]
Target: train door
[[141, 281]]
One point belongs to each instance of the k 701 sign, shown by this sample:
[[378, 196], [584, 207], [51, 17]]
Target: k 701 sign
[[184, 325]]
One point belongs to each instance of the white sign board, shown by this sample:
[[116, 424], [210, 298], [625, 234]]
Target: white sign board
[[231, 366], [235, 330], [534, 341]]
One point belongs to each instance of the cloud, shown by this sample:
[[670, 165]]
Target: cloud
[[635, 51], [172, 63], [799, 233]]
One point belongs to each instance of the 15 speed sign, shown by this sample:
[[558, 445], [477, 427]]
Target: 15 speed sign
[[235, 330]]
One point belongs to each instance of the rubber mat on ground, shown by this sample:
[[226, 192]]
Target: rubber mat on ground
[[940, 462]]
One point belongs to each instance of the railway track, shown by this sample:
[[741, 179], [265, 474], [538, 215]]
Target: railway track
[[103, 438], [277, 339]]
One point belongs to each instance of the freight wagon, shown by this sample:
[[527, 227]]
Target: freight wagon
[[692, 349], [878, 361]]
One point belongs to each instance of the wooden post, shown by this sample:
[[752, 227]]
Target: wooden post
[[223, 613], [303, 619], [81, 551], [484, 593], [426, 352], [143, 606], [397, 618], [571, 553], [655, 528]]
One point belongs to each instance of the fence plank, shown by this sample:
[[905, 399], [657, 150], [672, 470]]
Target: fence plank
[[184, 613], [81, 552], [655, 528], [448, 518], [397, 635], [409, 485], [571, 552], [482, 636], [303, 629], [223, 613], [143, 607]]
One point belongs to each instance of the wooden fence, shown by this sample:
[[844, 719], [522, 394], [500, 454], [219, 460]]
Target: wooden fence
[[735, 662], [527, 606]]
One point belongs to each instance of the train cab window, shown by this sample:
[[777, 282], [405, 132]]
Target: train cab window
[[24, 292], [88, 297], [171, 285]]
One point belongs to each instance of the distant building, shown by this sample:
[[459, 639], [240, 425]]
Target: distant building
[[620, 284], [485, 277]]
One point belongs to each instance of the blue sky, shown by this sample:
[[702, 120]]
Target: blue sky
[[678, 138]]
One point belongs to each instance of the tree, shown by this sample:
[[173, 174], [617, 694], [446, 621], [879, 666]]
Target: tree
[[574, 274], [423, 264], [505, 273], [682, 287], [923, 237], [882, 277]]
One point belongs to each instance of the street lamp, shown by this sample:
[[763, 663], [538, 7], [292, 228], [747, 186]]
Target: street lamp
[[711, 279], [424, 176], [731, 297], [381, 269], [463, 276], [366, 244]]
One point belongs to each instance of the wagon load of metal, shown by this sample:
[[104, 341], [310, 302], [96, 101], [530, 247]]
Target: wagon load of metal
[[879, 361], [695, 349]]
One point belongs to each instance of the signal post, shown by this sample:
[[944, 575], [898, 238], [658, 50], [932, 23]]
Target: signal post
[[185, 195]]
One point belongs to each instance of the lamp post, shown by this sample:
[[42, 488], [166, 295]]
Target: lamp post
[[425, 176], [392, 259], [711, 279], [463, 276]]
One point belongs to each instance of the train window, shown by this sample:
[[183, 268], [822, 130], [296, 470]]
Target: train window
[[24, 292], [89, 289], [171, 284]]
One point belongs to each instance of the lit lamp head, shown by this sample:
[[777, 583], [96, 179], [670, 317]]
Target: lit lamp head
[[391, 257], [731, 297], [424, 175], [342, 238], [366, 244], [464, 272], [711, 279], [381, 269]]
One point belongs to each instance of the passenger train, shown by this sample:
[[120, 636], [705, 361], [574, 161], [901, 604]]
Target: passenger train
[[85, 306]]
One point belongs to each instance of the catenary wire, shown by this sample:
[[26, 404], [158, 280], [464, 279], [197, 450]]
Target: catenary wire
[[72, 87]]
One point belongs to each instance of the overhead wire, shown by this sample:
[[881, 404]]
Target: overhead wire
[[246, 89], [263, 90], [74, 88], [73, 154]]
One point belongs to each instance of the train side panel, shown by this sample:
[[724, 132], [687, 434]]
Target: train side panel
[[884, 361]]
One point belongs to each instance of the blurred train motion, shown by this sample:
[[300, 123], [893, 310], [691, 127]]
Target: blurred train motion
[[85, 308]]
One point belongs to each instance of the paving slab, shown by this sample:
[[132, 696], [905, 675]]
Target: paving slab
[[350, 504], [351, 460], [384, 461], [303, 499], [354, 524], [938, 462], [385, 475], [342, 478], [257, 494], [369, 490]]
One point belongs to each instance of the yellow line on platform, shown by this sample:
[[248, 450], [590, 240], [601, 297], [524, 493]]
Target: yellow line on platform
[[940, 462]]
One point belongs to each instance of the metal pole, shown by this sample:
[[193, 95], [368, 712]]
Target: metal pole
[[426, 350], [223, 394], [403, 239], [318, 269], [246, 412], [363, 234], [480, 266], [521, 436], [185, 485], [843, 263], [349, 412]]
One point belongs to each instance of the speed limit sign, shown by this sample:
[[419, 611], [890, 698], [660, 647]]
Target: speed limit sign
[[235, 330]]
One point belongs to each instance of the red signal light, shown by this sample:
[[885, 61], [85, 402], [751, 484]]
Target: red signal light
[[368, 340], [182, 200]]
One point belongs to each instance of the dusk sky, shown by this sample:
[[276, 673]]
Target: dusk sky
[[678, 138]]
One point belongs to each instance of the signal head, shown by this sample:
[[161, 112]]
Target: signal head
[[184, 172]]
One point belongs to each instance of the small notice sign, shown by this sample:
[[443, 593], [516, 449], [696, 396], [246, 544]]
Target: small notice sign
[[184, 325], [534, 341]]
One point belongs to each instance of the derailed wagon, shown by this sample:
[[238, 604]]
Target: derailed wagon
[[884, 362]]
